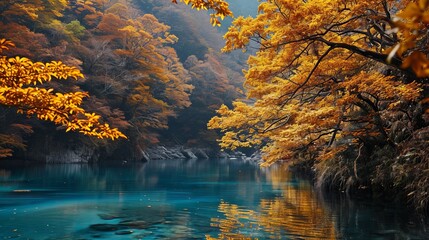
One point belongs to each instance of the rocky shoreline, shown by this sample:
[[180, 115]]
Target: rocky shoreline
[[180, 152], [82, 153]]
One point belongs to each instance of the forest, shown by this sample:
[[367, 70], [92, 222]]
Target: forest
[[131, 78], [337, 88]]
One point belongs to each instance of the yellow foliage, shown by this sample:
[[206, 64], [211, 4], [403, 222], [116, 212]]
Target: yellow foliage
[[220, 8], [158, 82], [19, 87], [411, 27], [317, 73]]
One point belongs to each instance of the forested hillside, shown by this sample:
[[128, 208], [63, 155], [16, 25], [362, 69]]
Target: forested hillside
[[151, 69]]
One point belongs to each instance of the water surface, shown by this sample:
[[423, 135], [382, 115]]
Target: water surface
[[174, 199]]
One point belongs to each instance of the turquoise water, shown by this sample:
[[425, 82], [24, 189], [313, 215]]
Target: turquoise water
[[186, 200]]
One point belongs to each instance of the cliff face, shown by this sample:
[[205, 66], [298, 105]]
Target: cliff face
[[55, 148]]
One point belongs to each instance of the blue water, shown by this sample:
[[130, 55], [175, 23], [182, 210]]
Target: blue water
[[211, 199]]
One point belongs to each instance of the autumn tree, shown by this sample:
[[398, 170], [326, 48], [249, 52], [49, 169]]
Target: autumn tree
[[129, 59], [18, 75], [27, 43], [30, 24], [217, 78], [133, 69], [88, 13], [160, 87], [219, 7], [342, 83], [319, 83], [42, 12], [156, 75], [212, 88], [411, 30], [26, 11]]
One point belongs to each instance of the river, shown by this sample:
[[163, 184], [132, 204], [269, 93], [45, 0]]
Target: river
[[199, 199]]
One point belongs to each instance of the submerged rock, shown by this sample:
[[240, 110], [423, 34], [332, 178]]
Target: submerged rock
[[137, 224], [105, 227], [124, 232]]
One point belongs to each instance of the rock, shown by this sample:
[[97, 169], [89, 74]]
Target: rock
[[145, 156], [77, 154], [223, 155], [105, 227], [256, 157], [240, 155], [124, 232], [57, 149], [158, 153], [200, 154], [189, 154], [137, 224], [174, 153]]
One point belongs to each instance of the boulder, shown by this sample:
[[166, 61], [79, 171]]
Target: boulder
[[200, 153], [145, 156], [189, 154], [105, 227], [256, 157], [163, 153], [223, 155]]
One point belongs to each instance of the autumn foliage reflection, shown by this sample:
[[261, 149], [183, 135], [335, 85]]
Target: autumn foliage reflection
[[295, 213]]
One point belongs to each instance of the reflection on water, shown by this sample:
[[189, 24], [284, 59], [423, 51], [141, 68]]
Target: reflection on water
[[296, 213], [185, 200]]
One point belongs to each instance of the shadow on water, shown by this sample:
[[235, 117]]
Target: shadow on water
[[175, 199], [364, 218]]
